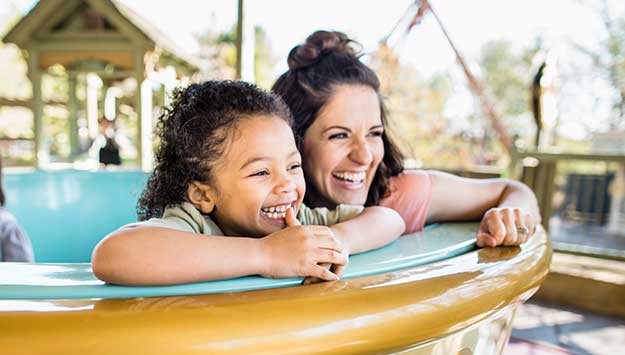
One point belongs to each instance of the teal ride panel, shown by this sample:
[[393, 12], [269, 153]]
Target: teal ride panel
[[66, 213], [21, 281]]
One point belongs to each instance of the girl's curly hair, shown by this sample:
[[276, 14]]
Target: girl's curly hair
[[193, 134]]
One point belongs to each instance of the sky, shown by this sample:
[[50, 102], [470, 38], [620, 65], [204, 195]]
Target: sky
[[471, 24], [288, 22]]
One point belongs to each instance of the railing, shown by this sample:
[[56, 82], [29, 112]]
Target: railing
[[581, 198]]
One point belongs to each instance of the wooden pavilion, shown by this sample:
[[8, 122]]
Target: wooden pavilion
[[105, 38]]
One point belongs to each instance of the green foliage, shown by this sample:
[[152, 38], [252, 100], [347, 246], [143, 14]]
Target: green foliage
[[507, 75], [219, 49], [608, 58]]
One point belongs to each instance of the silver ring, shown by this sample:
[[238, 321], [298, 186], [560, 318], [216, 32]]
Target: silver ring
[[522, 230]]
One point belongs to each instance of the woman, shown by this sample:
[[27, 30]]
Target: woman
[[340, 122]]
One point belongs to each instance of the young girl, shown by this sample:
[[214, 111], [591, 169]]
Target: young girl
[[228, 168]]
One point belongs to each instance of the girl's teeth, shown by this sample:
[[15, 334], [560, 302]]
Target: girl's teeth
[[275, 215], [276, 211]]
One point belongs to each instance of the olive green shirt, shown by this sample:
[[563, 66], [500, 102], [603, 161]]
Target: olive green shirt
[[185, 217]]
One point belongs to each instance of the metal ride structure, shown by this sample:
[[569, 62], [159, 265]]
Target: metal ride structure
[[432, 292]]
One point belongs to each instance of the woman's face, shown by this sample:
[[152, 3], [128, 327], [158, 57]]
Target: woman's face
[[343, 148]]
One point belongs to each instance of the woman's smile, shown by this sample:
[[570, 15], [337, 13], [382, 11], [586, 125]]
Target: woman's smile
[[349, 180], [343, 147]]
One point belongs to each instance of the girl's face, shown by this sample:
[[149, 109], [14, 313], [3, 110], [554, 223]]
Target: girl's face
[[343, 147], [258, 178]]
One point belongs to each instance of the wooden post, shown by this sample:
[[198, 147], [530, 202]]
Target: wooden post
[[616, 220], [72, 108], [147, 156], [139, 77], [40, 158], [245, 44], [240, 19]]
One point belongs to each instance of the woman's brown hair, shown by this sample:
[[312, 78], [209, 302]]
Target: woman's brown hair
[[316, 68]]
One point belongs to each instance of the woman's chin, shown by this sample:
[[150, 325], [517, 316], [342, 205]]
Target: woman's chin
[[350, 198], [349, 193]]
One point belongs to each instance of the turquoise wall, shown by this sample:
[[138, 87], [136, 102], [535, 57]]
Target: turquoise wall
[[66, 213]]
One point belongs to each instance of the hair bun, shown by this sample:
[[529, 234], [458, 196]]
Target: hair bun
[[318, 45]]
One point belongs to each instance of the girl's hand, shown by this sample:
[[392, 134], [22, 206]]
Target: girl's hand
[[300, 251], [505, 226]]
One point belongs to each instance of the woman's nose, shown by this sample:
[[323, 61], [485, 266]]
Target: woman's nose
[[361, 153]]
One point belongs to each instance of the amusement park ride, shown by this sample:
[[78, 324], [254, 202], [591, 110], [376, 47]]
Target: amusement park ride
[[432, 292]]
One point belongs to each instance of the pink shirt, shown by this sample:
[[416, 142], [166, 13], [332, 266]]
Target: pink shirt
[[410, 195]]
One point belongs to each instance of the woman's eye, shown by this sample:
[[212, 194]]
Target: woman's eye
[[295, 166], [376, 133], [338, 136]]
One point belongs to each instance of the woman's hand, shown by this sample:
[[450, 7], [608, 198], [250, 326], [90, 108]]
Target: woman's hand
[[505, 226], [301, 251]]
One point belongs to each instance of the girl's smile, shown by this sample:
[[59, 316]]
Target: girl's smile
[[259, 177], [276, 214]]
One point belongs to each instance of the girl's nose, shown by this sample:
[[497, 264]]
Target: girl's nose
[[285, 184], [361, 153]]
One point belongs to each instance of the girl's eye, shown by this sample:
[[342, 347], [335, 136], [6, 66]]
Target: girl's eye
[[376, 133], [295, 166], [260, 173], [338, 136]]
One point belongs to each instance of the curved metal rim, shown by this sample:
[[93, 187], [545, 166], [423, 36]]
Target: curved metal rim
[[368, 315]]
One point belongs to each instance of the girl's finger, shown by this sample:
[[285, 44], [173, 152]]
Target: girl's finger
[[309, 280], [329, 242], [322, 273], [327, 257], [290, 219], [338, 270]]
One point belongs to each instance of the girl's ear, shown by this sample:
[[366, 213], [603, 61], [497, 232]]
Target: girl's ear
[[202, 196]]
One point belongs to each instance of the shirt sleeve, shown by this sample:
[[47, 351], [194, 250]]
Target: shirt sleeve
[[410, 195], [15, 244], [184, 217], [322, 216]]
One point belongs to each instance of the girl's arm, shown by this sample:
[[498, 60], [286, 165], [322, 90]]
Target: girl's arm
[[373, 228], [163, 256], [508, 208]]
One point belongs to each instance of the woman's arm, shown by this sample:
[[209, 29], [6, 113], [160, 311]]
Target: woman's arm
[[508, 208], [163, 256], [373, 228]]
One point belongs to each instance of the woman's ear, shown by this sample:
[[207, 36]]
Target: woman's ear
[[202, 196]]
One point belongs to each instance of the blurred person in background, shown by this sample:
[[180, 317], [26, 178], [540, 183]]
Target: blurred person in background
[[105, 144], [14, 243]]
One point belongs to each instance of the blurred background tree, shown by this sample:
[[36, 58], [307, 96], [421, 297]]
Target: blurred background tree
[[218, 51], [608, 59]]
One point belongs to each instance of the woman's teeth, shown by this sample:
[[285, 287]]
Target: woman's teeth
[[351, 177], [275, 212]]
